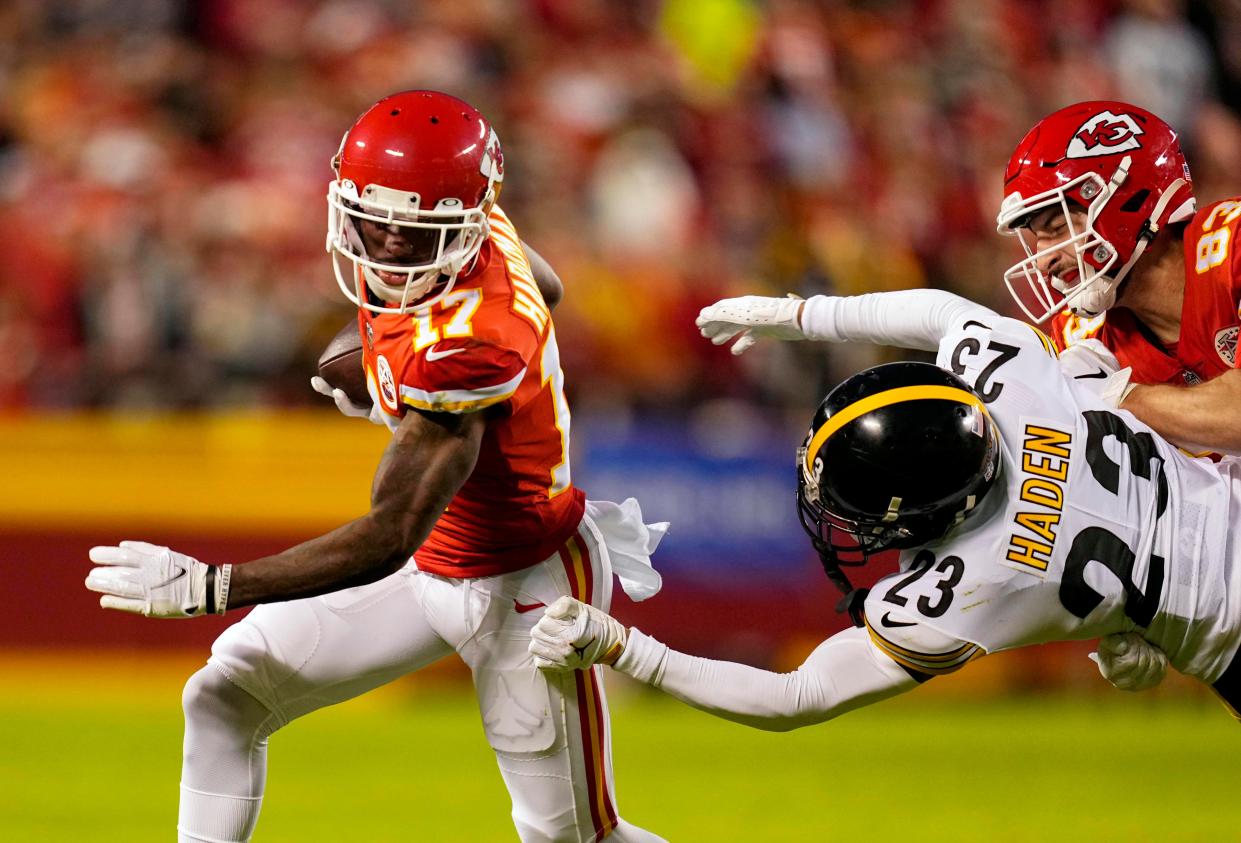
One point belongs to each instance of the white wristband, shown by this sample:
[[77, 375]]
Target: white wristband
[[222, 576]]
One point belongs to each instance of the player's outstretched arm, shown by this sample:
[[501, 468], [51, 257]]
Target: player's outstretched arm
[[844, 673], [1198, 418], [428, 459], [907, 319]]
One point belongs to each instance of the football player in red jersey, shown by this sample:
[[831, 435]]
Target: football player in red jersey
[[462, 366], [1101, 198]]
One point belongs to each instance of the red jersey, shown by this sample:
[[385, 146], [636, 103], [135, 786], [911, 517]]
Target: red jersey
[[488, 343], [1207, 346]]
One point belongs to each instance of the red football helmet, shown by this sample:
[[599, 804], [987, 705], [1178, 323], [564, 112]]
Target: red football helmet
[[1123, 166], [429, 164]]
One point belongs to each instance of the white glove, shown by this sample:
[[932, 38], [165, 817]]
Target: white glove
[[573, 636], [1091, 364], [346, 406], [1130, 662], [157, 582], [751, 317]]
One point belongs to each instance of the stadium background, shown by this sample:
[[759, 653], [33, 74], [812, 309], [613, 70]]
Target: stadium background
[[164, 293]]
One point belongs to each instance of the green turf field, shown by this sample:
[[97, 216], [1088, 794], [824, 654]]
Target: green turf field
[[91, 761]]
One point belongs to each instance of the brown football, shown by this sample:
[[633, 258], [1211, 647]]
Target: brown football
[[340, 364]]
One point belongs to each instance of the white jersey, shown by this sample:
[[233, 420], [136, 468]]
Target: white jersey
[[1095, 526]]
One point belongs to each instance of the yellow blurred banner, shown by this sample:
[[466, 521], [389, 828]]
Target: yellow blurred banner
[[254, 473], [716, 38]]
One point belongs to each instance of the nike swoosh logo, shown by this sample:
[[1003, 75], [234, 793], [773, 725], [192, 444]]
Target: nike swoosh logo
[[522, 608], [433, 355], [1102, 373], [178, 575], [887, 621]]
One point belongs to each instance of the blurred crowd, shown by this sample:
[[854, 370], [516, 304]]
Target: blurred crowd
[[163, 165]]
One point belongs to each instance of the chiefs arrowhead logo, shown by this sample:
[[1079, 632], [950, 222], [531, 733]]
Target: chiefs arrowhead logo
[[387, 384], [492, 165], [1105, 134]]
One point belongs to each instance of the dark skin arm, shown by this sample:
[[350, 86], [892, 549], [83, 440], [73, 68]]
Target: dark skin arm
[[545, 277], [429, 458], [1203, 415]]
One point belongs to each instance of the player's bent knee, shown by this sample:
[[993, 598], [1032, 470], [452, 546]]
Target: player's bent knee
[[211, 699], [223, 761], [544, 801]]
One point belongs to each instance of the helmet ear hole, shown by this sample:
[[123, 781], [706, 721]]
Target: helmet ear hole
[[1135, 202]]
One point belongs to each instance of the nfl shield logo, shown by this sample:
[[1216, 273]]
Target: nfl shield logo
[[1226, 345]]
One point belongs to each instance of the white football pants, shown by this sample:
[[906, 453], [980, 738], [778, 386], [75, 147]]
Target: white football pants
[[550, 733]]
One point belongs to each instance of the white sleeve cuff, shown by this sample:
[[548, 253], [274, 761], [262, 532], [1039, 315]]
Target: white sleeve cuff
[[642, 657]]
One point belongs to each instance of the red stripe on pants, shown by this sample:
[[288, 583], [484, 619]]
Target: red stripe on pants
[[589, 695]]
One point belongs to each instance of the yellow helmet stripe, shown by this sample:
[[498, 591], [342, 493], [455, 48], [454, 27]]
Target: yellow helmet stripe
[[885, 399]]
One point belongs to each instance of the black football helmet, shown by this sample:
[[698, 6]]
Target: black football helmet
[[896, 456]]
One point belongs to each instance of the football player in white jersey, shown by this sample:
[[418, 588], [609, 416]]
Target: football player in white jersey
[[1026, 508]]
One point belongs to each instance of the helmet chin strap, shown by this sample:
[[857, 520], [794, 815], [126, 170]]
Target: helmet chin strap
[[1150, 228], [853, 599]]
